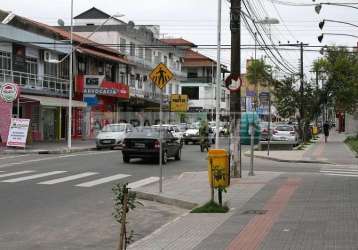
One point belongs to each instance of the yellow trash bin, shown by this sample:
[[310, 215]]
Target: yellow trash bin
[[314, 130], [218, 168]]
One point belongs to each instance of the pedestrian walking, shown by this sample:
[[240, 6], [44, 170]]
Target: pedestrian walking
[[326, 131]]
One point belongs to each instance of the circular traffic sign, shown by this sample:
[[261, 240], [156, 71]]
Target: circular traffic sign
[[233, 82]]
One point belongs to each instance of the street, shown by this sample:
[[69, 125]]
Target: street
[[65, 201]]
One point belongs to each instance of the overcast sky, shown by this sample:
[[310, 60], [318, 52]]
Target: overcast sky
[[195, 20]]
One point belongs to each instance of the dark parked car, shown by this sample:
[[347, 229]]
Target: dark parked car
[[145, 143]]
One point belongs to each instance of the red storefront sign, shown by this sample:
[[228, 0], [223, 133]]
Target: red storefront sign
[[92, 85]]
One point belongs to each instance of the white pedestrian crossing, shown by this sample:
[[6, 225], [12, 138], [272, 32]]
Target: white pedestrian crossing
[[25, 175], [16, 173], [35, 176], [143, 182], [102, 180], [68, 178], [345, 172]]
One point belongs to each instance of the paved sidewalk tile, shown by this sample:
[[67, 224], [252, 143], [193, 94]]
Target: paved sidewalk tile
[[188, 231]]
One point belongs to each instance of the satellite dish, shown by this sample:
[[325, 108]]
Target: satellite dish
[[60, 22]]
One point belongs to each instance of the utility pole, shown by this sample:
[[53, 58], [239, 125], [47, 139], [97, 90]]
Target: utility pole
[[301, 95], [235, 97]]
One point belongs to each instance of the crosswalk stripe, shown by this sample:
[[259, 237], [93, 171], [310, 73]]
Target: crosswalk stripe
[[339, 172], [143, 182], [35, 176], [102, 180], [344, 175], [342, 169], [16, 173], [68, 178]]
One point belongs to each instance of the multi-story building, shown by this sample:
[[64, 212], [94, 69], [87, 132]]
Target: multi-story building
[[200, 83], [35, 56], [144, 50]]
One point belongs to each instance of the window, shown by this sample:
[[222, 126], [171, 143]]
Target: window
[[5, 62], [192, 74], [140, 53], [123, 47], [177, 89], [50, 69], [165, 60], [170, 89], [192, 92], [148, 55], [110, 72], [132, 49], [122, 77], [223, 95], [81, 65], [132, 81], [31, 65]]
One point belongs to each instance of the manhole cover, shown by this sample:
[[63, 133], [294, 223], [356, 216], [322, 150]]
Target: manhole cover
[[255, 211]]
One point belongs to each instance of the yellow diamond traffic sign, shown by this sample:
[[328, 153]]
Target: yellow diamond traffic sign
[[161, 75]]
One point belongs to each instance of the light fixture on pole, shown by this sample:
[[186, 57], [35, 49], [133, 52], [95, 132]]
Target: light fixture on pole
[[322, 23], [320, 37], [318, 7]]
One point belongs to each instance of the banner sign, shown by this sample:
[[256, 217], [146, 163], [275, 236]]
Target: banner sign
[[18, 132], [178, 103]]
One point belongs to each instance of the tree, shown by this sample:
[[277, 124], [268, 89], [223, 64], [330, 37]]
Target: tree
[[341, 87], [258, 71]]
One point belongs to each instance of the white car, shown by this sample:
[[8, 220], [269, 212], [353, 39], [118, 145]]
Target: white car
[[112, 135], [173, 129], [285, 133]]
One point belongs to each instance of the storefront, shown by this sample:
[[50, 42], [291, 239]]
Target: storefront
[[105, 100], [48, 117]]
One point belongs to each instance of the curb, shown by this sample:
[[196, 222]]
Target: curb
[[166, 200], [59, 151], [285, 160]]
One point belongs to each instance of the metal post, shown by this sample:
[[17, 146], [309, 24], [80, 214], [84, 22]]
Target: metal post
[[235, 97], [269, 122], [252, 134], [218, 73], [301, 94], [160, 142], [69, 132]]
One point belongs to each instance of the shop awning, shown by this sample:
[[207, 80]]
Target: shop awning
[[53, 101]]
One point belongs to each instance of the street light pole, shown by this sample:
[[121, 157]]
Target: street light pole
[[218, 73], [69, 132]]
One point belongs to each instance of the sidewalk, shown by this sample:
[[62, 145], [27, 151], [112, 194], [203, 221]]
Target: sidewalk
[[187, 231], [333, 152], [51, 147]]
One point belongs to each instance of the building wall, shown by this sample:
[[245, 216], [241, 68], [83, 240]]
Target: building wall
[[351, 123], [5, 120]]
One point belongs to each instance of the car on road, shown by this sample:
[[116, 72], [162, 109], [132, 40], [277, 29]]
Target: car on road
[[265, 134], [173, 129], [112, 135], [285, 133], [144, 143], [192, 134]]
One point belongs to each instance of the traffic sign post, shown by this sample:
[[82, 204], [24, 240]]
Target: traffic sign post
[[160, 76]]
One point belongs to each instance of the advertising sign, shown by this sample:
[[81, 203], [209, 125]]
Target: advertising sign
[[9, 92], [178, 103], [18, 132]]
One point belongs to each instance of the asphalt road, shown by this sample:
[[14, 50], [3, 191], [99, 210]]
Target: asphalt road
[[65, 201]]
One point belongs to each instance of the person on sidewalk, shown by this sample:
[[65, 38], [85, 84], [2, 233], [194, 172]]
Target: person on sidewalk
[[326, 131]]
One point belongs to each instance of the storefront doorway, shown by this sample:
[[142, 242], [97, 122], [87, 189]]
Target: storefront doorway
[[49, 128]]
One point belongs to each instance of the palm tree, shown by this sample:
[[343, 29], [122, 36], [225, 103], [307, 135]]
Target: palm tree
[[258, 72]]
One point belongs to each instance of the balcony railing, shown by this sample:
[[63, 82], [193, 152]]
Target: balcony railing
[[204, 79], [152, 96], [34, 82]]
